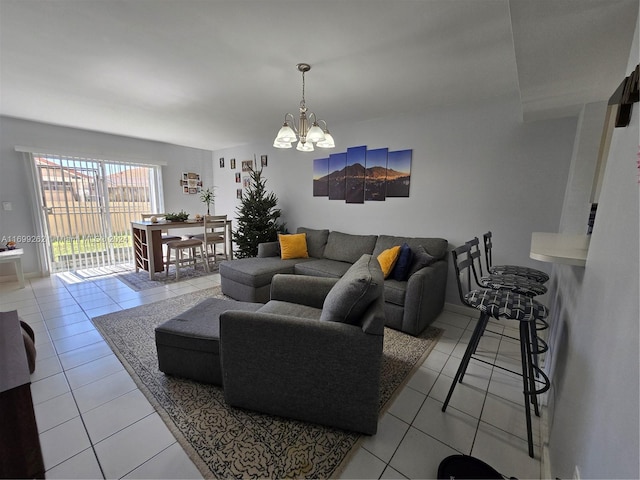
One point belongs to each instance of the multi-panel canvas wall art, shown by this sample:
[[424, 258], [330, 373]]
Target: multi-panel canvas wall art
[[361, 175]]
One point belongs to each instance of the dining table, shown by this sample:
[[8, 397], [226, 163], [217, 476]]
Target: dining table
[[147, 242]]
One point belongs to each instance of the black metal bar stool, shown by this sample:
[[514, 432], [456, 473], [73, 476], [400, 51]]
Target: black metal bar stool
[[528, 272], [501, 304], [515, 283]]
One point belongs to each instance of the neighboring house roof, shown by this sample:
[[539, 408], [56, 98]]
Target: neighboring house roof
[[131, 177]]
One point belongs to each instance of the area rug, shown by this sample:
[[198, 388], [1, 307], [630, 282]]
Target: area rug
[[227, 442], [140, 280]]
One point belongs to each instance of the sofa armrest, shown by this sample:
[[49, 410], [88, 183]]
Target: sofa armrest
[[268, 249], [322, 372], [424, 298], [301, 289]]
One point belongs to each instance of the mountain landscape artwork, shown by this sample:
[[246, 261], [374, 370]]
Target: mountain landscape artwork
[[375, 183], [321, 177], [399, 173], [337, 176], [354, 177], [360, 175]]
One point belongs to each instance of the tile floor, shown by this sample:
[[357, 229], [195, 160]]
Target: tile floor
[[95, 423]]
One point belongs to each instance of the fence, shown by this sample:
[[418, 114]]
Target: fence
[[85, 239]]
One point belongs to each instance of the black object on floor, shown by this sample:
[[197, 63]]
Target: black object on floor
[[467, 467]]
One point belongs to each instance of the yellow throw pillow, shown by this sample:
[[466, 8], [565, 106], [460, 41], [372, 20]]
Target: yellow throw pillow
[[388, 259], [293, 246]]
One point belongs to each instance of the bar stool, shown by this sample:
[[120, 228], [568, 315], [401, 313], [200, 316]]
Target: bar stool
[[165, 237], [514, 283], [180, 247], [501, 304], [528, 272]]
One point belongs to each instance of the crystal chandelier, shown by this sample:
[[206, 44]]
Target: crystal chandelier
[[308, 131]]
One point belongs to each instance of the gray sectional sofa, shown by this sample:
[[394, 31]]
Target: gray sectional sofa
[[410, 305]]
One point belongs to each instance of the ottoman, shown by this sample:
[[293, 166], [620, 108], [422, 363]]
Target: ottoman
[[188, 345]]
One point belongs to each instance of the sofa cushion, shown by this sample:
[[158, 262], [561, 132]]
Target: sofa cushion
[[269, 249], [289, 309], [255, 271], [401, 270], [293, 246], [354, 292], [387, 259], [436, 247], [322, 267], [421, 259], [345, 247], [316, 241]]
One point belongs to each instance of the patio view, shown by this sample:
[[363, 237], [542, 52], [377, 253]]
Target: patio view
[[88, 206]]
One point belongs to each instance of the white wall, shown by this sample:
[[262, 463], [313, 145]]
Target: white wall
[[475, 168], [15, 180], [594, 409]]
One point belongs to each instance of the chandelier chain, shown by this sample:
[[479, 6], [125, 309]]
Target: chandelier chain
[[303, 102]]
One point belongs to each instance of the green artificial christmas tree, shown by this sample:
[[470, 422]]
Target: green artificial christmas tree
[[257, 217]]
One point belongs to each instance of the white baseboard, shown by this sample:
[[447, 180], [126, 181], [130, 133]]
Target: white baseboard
[[545, 460], [12, 277]]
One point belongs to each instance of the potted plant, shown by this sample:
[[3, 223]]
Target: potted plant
[[207, 197]]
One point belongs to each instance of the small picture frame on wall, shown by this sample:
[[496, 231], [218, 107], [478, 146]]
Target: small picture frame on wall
[[221, 162], [247, 165], [263, 160], [238, 177], [191, 183], [239, 194], [232, 163]]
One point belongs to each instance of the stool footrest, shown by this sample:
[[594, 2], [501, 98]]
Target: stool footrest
[[546, 383]]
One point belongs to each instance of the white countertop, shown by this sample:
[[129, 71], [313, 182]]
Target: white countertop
[[565, 248]]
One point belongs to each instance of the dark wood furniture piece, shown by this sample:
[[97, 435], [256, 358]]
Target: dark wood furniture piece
[[147, 242], [21, 456]]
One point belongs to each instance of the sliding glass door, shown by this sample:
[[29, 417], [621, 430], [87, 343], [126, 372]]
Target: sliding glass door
[[87, 207]]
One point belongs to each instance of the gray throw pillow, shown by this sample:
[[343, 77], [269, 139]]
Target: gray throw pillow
[[316, 241], [354, 292], [421, 259]]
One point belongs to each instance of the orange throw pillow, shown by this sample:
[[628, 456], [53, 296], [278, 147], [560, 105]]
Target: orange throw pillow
[[388, 259], [293, 246]]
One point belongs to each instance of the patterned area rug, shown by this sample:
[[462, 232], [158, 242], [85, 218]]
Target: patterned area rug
[[226, 442], [140, 280]]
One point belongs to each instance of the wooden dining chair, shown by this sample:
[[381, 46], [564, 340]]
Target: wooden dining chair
[[215, 233]]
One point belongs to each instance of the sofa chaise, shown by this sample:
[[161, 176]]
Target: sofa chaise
[[411, 303]]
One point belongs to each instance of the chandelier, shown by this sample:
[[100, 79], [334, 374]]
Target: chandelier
[[308, 128]]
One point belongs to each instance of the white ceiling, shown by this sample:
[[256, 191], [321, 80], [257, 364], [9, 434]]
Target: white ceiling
[[212, 74]]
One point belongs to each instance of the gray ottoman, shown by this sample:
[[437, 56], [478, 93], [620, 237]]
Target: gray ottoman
[[188, 345]]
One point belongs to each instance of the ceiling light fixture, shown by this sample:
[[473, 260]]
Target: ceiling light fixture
[[308, 133]]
